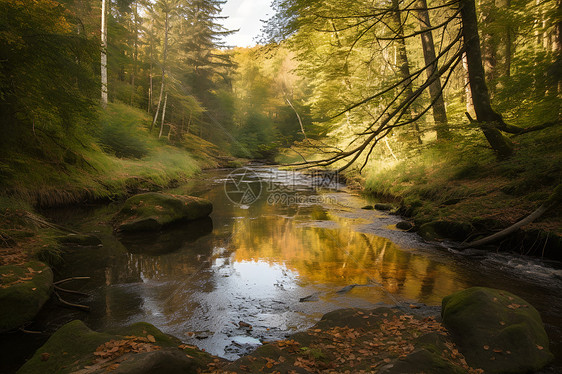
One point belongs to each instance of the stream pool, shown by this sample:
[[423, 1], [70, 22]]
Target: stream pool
[[279, 250]]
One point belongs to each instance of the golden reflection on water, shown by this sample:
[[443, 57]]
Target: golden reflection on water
[[341, 257]]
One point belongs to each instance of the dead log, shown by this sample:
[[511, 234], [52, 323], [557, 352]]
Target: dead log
[[552, 201]]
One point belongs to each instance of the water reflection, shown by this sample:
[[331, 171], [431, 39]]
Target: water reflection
[[168, 240]]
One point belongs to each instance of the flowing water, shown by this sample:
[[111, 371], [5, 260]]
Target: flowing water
[[279, 250]]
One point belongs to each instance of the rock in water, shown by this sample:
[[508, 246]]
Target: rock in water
[[496, 330], [152, 211], [23, 291], [404, 225], [383, 207]]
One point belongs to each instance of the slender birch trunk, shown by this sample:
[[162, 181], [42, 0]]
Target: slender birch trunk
[[136, 50], [164, 56], [163, 116], [103, 54]]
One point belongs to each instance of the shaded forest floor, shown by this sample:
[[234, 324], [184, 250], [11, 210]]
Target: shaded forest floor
[[463, 184]]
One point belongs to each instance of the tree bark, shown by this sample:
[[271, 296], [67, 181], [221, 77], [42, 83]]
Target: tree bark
[[163, 116], [435, 89], [164, 57], [508, 44], [467, 90], [135, 50], [402, 58], [487, 118], [490, 47], [104, 98]]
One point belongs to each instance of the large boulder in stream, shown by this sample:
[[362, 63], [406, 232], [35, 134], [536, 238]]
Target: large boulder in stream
[[152, 211], [138, 349], [23, 291], [496, 330]]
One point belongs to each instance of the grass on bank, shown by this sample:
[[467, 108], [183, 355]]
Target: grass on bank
[[463, 181], [120, 156]]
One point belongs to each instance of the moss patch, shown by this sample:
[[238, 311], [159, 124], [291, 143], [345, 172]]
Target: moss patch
[[76, 348], [496, 330], [23, 291]]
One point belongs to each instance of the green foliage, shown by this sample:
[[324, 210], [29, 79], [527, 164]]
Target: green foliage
[[123, 131], [46, 77], [255, 137]]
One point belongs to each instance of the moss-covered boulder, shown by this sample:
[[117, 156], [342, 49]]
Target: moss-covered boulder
[[384, 207], [139, 348], [445, 229], [23, 291], [496, 330], [80, 240], [152, 211]]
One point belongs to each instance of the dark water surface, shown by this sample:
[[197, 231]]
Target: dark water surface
[[253, 263]]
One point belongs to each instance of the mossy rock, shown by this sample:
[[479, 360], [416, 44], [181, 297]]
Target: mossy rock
[[152, 211], [71, 349], [24, 289], [496, 330], [80, 239], [445, 229], [426, 358], [422, 361], [404, 225], [384, 207]]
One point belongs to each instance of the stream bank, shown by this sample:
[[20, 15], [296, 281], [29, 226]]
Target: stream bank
[[461, 193], [381, 340]]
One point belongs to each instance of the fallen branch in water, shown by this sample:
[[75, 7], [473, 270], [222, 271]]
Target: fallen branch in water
[[70, 291], [77, 306], [30, 331], [70, 279]]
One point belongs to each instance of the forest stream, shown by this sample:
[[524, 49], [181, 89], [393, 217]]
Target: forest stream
[[277, 263]]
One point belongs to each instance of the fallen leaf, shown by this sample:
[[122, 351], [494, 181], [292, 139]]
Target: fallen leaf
[[486, 347], [151, 338]]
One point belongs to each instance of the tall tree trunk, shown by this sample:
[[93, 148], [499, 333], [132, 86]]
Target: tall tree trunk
[[488, 119], [135, 50], [490, 47], [508, 44], [103, 54], [150, 86], [435, 89], [163, 116], [467, 90], [402, 57], [557, 50], [164, 56]]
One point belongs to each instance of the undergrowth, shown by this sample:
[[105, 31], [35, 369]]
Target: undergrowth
[[463, 180]]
